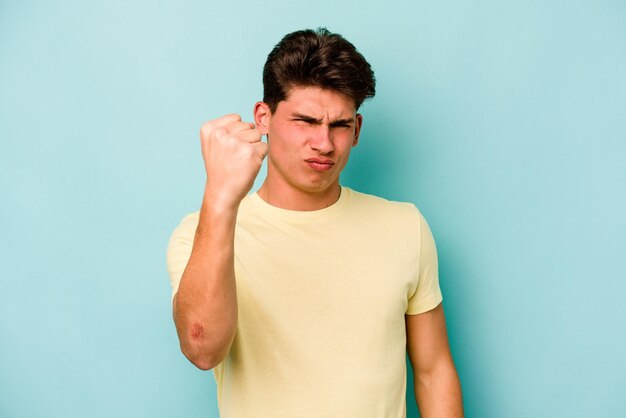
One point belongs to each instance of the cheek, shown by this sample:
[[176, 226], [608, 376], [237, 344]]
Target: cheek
[[345, 136], [345, 144], [288, 139], [281, 150]]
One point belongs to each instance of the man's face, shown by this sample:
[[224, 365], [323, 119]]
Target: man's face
[[310, 135]]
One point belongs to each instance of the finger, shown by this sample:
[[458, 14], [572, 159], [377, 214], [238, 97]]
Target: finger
[[251, 135], [223, 121], [239, 126], [259, 130], [261, 148], [218, 124]]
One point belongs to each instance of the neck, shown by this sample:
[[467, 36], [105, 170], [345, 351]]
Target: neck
[[292, 199]]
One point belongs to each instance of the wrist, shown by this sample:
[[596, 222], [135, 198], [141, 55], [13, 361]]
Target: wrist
[[220, 202]]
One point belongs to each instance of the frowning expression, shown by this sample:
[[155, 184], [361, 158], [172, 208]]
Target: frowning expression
[[310, 136]]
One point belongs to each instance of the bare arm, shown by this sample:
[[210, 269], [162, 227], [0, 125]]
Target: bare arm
[[205, 306], [437, 386]]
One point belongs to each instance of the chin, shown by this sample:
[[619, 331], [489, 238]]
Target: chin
[[317, 188]]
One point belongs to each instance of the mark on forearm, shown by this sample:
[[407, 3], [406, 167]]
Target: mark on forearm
[[197, 331]]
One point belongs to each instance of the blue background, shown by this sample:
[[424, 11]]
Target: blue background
[[503, 121]]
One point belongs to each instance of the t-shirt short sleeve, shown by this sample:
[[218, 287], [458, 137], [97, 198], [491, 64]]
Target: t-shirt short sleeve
[[179, 249], [427, 293]]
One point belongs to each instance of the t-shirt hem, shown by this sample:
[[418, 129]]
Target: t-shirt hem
[[427, 305]]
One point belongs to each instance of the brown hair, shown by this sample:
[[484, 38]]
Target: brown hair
[[317, 59]]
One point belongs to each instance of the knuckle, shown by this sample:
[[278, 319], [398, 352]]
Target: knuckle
[[219, 133], [205, 130]]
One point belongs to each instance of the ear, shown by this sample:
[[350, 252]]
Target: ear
[[357, 129], [262, 117]]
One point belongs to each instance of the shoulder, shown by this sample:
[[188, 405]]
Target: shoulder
[[185, 231], [377, 206], [189, 222]]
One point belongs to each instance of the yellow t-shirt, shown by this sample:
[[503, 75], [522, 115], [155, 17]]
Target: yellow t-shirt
[[322, 297]]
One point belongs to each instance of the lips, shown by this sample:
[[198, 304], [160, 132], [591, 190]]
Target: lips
[[320, 164], [319, 161]]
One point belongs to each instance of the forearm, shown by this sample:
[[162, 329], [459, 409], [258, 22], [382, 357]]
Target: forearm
[[205, 306], [438, 392]]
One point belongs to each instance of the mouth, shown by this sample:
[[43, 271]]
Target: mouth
[[320, 164]]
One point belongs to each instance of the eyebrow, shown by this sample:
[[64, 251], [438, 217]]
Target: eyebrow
[[311, 119]]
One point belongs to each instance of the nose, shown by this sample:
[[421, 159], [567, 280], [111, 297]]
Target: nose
[[322, 140]]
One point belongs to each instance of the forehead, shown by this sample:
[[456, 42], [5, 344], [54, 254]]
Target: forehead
[[317, 102]]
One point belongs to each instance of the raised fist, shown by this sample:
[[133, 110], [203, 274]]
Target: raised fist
[[233, 154]]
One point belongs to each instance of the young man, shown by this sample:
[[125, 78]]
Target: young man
[[305, 296]]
